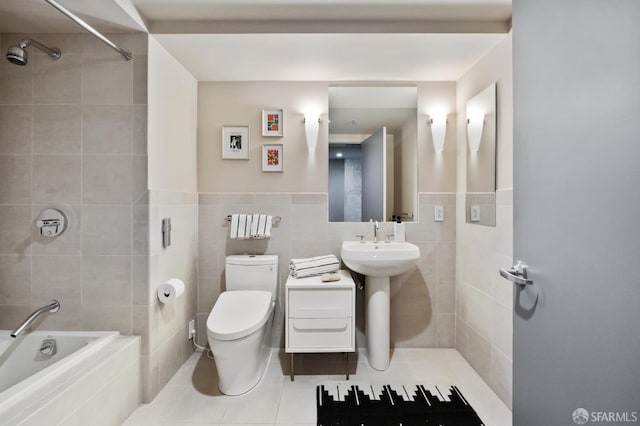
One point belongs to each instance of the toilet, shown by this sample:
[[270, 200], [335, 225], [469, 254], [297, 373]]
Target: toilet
[[239, 325]]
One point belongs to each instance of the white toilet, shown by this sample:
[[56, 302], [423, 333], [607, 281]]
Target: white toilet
[[239, 325]]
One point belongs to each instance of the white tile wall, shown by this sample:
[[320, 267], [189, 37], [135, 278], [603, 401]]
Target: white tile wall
[[484, 308], [164, 327]]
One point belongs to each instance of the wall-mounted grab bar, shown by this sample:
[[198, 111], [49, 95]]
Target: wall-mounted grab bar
[[127, 55]]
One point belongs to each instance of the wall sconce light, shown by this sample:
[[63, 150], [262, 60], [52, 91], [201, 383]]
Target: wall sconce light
[[475, 124], [311, 128], [438, 130]]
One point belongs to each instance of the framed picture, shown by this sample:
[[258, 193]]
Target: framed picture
[[272, 155], [272, 122], [235, 142]]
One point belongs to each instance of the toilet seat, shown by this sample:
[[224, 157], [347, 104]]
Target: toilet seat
[[237, 314]]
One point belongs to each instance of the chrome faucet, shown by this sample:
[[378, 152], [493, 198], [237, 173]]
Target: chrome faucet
[[376, 227], [54, 306]]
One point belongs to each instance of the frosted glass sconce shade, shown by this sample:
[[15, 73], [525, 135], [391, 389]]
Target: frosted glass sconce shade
[[438, 131], [311, 128], [475, 124]]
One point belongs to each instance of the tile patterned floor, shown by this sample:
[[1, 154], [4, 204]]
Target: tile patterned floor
[[192, 398]]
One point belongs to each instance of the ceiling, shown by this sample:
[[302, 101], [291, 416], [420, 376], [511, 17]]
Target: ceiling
[[293, 40], [257, 10], [36, 16]]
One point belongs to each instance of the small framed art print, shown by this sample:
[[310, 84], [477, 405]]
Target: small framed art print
[[235, 142], [272, 122], [272, 155]]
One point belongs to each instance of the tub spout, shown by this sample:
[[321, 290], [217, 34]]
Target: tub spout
[[54, 306]]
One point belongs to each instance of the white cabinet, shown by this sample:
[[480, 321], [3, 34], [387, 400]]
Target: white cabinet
[[320, 316]]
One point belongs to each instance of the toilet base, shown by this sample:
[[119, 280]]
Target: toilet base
[[241, 363]]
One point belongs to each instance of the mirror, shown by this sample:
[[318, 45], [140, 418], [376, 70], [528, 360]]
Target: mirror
[[372, 153], [480, 207]]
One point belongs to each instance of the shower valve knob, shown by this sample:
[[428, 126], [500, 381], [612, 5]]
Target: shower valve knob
[[52, 222], [49, 229]]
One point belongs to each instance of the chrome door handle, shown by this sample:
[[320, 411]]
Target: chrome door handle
[[517, 274]]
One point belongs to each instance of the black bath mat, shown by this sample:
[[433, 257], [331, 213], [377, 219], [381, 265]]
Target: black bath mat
[[389, 408]]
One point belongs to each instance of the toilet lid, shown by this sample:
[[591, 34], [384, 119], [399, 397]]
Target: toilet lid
[[238, 313]]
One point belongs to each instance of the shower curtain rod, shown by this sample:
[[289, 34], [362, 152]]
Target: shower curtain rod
[[127, 55]]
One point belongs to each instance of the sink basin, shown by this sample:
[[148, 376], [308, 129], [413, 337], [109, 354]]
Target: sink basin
[[379, 259]]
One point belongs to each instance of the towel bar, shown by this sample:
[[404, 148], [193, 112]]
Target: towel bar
[[274, 219]]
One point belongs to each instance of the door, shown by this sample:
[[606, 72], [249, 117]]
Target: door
[[374, 189], [576, 211]]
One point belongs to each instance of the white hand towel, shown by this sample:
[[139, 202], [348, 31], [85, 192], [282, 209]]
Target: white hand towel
[[244, 226], [247, 227], [267, 226], [318, 265], [259, 226], [255, 219], [233, 229], [262, 226]]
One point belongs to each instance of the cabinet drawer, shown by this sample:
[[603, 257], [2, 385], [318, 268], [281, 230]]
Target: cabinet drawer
[[314, 303], [320, 333]]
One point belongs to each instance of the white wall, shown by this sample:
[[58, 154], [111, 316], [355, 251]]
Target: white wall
[[436, 170], [240, 103], [484, 306], [172, 148], [172, 126], [406, 186]]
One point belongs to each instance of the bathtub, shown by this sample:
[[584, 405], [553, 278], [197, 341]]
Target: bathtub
[[25, 372]]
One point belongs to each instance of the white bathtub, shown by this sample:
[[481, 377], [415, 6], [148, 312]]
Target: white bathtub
[[24, 371]]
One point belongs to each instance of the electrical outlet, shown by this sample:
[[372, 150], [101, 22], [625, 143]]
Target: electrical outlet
[[192, 329], [438, 213]]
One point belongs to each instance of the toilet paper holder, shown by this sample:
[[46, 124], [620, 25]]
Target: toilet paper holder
[[170, 291]]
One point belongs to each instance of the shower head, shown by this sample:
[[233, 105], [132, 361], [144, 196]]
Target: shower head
[[18, 54]]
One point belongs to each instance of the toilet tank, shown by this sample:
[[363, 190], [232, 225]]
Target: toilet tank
[[252, 272]]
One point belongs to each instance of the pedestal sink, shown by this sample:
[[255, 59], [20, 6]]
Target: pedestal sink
[[378, 261]]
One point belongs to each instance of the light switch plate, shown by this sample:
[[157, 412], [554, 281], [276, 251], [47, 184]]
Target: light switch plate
[[438, 213], [475, 213]]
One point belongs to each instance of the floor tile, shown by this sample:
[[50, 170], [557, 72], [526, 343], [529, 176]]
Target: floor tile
[[298, 402], [191, 398]]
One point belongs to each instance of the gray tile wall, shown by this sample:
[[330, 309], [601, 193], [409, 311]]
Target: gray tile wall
[[422, 300], [73, 137]]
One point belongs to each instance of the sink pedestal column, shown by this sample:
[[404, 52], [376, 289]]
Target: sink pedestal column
[[377, 325]]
